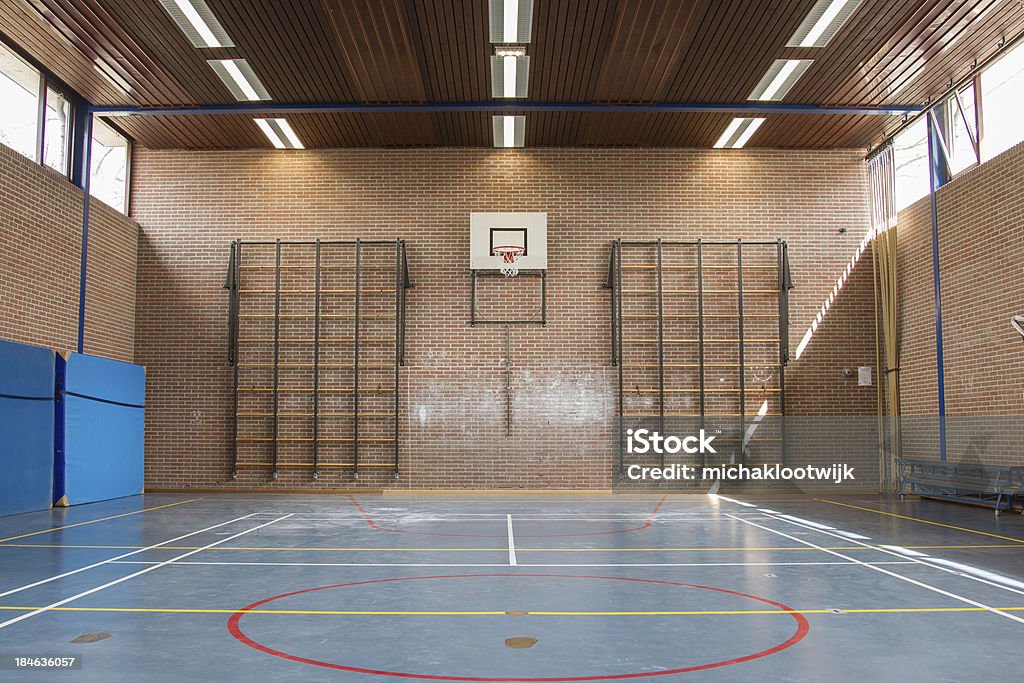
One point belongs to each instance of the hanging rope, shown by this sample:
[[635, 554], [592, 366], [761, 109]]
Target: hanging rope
[[881, 170]]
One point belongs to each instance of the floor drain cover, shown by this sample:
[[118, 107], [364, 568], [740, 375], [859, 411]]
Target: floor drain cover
[[517, 613], [91, 637], [520, 643]]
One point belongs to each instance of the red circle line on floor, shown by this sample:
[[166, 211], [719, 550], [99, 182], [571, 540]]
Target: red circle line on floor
[[802, 629], [373, 525]]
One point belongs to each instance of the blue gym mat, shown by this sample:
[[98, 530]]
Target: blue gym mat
[[26, 428], [100, 429]]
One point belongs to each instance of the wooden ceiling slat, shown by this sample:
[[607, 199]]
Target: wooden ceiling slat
[[408, 51]]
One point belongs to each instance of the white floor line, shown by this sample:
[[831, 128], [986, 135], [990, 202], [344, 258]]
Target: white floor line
[[915, 582], [511, 542], [924, 559], [122, 556], [445, 564], [97, 589]]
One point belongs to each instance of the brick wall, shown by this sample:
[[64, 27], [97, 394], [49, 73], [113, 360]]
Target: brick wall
[[40, 263], [41, 226], [110, 284], [190, 204], [981, 252]]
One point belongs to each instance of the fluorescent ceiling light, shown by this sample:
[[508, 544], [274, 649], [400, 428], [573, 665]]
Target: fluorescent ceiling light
[[823, 22], [509, 131], [197, 22], [738, 132], [511, 21], [280, 133], [510, 71], [240, 79], [781, 76]]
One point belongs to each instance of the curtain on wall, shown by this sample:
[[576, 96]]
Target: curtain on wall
[[881, 170]]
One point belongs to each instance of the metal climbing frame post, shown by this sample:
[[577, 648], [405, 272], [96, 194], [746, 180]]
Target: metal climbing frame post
[[277, 351], [700, 339], [355, 366], [742, 368], [660, 344], [617, 289], [316, 365], [782, 260], [235, 306], [399, 294]]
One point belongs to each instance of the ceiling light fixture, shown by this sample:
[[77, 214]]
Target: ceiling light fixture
[[198, 23], [738, 132], [240, 79], [280, 133], [823, 22], [509, 131], [511, 21], [781, 76], [510, 70]]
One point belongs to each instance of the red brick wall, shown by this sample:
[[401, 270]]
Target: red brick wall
[[981, 252], [110, 283], [40, 264], [190, 204], [41, 229]]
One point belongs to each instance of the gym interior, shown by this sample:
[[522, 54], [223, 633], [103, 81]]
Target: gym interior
[[511, 340]]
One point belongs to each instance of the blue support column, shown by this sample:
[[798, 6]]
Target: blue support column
[[938, 173], [81, 174]]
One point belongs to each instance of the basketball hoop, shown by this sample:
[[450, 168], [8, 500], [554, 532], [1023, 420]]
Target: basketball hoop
[[509, 255]]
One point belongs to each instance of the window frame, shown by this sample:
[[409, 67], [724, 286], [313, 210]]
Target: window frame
[[47, 82]]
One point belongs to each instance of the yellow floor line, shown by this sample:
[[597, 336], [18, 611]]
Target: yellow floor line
[[489, 613], [503, 549], [94, 521], [923, 521]]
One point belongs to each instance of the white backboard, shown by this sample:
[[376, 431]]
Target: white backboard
[[489, 230]]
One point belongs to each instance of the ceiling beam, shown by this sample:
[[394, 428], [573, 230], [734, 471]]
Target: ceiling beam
[[742, 108]]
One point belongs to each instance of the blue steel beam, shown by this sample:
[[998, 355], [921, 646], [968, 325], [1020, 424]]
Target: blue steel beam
[[938, 175], [81, 176], [743, 108]]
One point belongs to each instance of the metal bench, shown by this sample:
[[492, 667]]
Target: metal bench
[[992, 486]]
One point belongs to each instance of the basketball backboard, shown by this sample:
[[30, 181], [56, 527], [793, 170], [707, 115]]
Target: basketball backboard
[[489, 230]]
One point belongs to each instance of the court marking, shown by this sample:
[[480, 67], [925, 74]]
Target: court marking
[[831, 611], [907, 579], [922, 521], [117, 557], [94, 521], [917, 559], [802, 629], [371, 522], [61, 603], [511, 542], [497, 548], [446, 564]]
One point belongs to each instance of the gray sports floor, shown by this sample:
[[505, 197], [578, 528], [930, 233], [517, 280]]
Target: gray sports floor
[[514, 588]]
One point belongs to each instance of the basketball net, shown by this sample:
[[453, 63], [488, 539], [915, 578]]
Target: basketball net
[[509, 256]]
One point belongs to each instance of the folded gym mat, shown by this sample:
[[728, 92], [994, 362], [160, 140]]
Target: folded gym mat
[[100, 429], [26, 428]]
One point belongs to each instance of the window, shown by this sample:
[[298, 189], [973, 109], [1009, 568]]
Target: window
[[56, 127], [961, 128], [910, 154], [19, 92], [109, 162], [1001, 86]]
